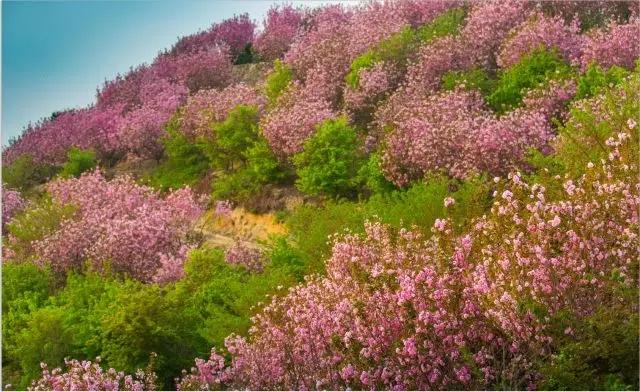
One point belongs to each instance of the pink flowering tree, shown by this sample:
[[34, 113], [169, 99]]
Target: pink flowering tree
[[542, 31], [401, 311], [89, 376], [281, 26], [299, 110], [234, 33], [142, 128], [127, 226], [207, 107], [12, 203], [454, 132], [614, 45]]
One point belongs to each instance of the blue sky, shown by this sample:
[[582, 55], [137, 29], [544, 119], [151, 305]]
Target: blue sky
[[56, 53]]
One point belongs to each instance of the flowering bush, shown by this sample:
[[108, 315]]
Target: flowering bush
[[49, 140], [280, 28], [614, 45], [248, 257], [120, 223], [89, 376], [454, 132], [542, 31], [205, 69], [12, 203], [294, 119]]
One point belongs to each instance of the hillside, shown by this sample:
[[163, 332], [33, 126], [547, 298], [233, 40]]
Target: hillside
[[406, 195]]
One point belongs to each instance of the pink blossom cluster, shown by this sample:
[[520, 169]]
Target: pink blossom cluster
[[550, 100], [398, 311], [48, 141], [617, 44], [247, 256], [89, 376], [207, 107], [281, 26], [234, 33], [323, 43], [487, 25], [142, 128], [373, 84], [206, 375], [119, 223], [205, 69], [551, 33], [299, 110], [12, 203], [454, 132]]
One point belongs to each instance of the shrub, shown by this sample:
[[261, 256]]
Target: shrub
[[277, 81], [185, 162], [532, 70], [34, 224], [595, 80], [24, 173], [330, 160], [599, 352], [595, 122], [418, 206], [43, 338], [25, 288], [234, 136], [225, 296], [79, 161]]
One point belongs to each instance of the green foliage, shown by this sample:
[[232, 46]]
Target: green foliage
[[399, 46], [476, 79], [223, 297], [237, 133], [78, 162], [420, 205], [530, 72], [582, 139], [25, 288], [245, 156], [601, 353], [185, 162], [145, 318], [43, 339], [595, 80], [330, 161], [24, 173], [277, 81], [448, 23], [33, 224], [372, 177]]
